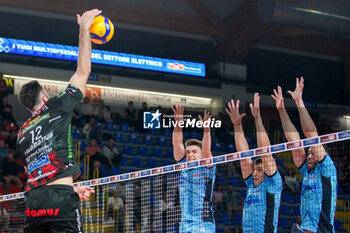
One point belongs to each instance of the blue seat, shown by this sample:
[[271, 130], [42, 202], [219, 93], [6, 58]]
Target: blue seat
[[167, 132], [338, 226], [283, 222], [137, 162], [83, 145], [152, 163], [157, 152], [124, 161], [169, 154], [221, 180], [128, 150], [124, 127], [237, 220], [162, 141], [141, 150], [134, 138], [76, 134], [119, 137], [166, 162], [110, 126], [234, 181], [115, 171], [217, 147], [230, 148], [194, 135], [147, 139]]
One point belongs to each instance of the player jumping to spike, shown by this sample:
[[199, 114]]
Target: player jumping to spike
[[264, 182], [195, 185], [319, 189], [45, 145]]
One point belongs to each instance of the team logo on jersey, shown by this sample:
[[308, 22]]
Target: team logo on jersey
[[151, 120]]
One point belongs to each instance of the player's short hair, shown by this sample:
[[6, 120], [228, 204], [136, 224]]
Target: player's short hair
[[29, 94], [193, 142], [257, 161]]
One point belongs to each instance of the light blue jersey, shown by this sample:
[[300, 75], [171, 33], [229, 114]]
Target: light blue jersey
[[196, 191], [260, 211], [319, 196]]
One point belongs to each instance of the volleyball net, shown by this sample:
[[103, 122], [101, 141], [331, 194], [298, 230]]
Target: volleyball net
[[198, 196]]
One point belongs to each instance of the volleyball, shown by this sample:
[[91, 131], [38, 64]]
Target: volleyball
[[101, 30]]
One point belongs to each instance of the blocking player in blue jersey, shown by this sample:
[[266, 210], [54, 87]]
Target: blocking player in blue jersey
[[264, 182], [195, 185], [319, 189]]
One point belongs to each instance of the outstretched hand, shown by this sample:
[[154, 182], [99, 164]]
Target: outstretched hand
[[206, 117], [297, 94], [85, 20], [84, 192], [255, 108], [278, 97], [178, 112], [233, 112]]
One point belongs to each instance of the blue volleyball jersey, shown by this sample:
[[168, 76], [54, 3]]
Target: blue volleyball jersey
[[319, 196], [196, 191], [260, 211]]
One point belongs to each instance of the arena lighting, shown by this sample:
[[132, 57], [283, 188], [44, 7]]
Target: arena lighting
[[346, 116], [109, 87]]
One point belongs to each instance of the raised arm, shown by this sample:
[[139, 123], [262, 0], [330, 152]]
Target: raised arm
[[206, 141], [178, 145], [307, 123], [262, 137], [240, 141], [81, 75], [290, 132]]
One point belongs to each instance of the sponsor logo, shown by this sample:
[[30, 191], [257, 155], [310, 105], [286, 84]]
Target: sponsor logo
[[135, 174], [151, 120], [278, 148], [42, 161], [247, 154], [104, 180], [219, 159], [168, 169], [146, 173], [175, 66], [232, 156], [262, 151], [344, 135], [42, 212], [86, 183], [192, 164], [157, 170], [180, 166], [328, 138], [114, 178], [311, 141], [293, 145], [205, 162], [124, 177], [95, 182]]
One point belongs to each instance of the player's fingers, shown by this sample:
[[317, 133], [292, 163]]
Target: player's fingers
[[273, 97], [237, 104], [227, 111]]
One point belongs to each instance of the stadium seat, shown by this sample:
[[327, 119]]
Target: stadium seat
[[15, 189], [230, 148], [115, 171], [141, 150], [162, 141], [167, 132], [124, 127], [134, 138], [124, 161], [147, 139], [157, 152], [76, 134], [217, 147], [237, 220], [169, 153], [194, 135], [283, 222], [221, 180], [119, 137], [136, 162], [235, 182], [83, 145], [166, 162], [128, 150], [152, 163], [338, 226], [110, 126]]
